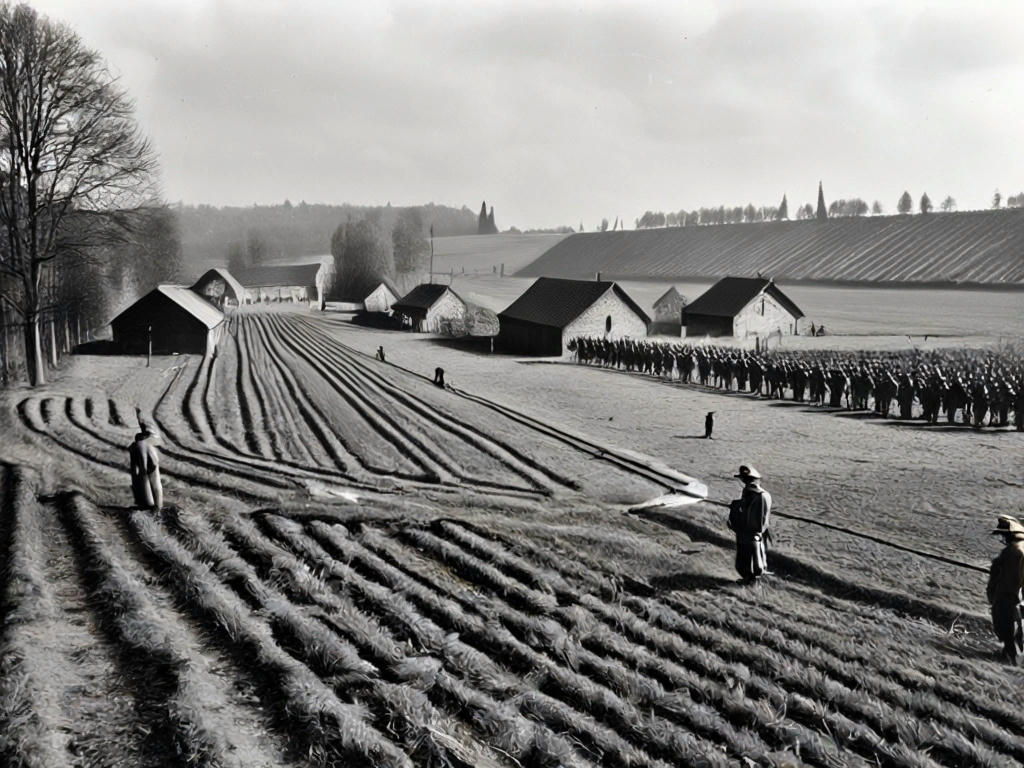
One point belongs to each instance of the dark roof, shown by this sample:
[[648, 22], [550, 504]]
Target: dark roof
[[555, 302], [423, 297], [193, 303], [294, 274], [669, 296], [731, 294]]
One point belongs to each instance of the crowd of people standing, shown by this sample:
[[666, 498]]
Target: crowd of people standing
[[965, 386]]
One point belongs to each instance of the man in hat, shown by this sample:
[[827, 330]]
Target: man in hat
[[144, 461], [749, 517], [1005, 585], [709, 425]]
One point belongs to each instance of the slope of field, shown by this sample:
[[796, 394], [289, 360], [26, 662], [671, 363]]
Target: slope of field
[[358, 568], [978, 247], [485, 254]]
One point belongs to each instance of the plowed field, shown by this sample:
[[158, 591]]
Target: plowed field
[[358, 568]]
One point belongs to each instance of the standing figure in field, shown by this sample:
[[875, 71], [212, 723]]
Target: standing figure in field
[[144, 465], [439, 377], [1005, 582], [380, 353], [749, 518], [709, 425]]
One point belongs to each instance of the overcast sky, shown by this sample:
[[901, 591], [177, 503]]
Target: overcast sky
[[559, 112]]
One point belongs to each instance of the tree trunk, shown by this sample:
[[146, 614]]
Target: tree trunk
[[53, 342], [67, 334], [34, 351]]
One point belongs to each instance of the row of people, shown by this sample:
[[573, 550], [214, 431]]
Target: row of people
[[980, 387]]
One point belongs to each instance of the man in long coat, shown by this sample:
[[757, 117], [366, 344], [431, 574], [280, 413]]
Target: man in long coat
[[1005, 585], [749, 518], [144, 461]]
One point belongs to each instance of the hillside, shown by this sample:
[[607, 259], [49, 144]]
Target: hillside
[[486, 253], [981, 247]]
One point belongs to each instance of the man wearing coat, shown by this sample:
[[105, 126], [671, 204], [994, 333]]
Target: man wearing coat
[[144, 460], [1005, 585], [749, 518]]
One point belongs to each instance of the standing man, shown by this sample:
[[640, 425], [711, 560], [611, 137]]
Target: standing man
[[749, 518], [1005, 582], [709, 425], [144, 461]]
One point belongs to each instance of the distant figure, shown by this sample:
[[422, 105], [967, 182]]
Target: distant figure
[[1005, 582], [144, 461], [812, 330], [709, 425], [821, 330], [380, 353], [439, 377], [749, 517]]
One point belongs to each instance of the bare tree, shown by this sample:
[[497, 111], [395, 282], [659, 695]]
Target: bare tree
[[73, 163], [949, 204]]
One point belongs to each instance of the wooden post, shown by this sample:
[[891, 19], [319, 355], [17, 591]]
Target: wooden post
[[149, 345]]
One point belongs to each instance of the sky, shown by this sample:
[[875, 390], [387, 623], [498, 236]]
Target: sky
[[561, 113]]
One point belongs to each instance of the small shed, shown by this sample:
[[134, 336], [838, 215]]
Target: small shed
[[552, 311], [181, 321], [293, 283], [667, 312], [220, 288], [432, 307], [382, 297], [742, 307]]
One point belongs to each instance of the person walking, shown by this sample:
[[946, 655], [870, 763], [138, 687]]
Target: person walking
[[439, 377], [749, 518], [1005, 585], [709, 425], [144, 466]]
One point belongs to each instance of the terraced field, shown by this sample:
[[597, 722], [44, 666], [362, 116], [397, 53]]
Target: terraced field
[[976, 247], [401, 580]]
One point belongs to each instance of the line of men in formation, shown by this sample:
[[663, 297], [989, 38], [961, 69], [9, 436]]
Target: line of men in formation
[[931, 385]]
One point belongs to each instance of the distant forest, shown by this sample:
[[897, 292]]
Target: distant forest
[[211, 235]]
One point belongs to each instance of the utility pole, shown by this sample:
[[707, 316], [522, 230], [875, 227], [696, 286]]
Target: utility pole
[[149, 344], [431, 279]]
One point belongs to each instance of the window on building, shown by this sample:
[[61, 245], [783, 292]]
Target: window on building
[[608, 324], [762, 306]]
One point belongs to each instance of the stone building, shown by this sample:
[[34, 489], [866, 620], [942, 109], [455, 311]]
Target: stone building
[[177, 319], [382, 297], [433, 308], [742, 307], [552, 311], [668, 310]]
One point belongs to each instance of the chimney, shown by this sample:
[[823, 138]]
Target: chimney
[[598, 278]]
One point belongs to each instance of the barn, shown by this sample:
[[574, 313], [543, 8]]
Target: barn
[[220, 288], [382, 297], [432, 308], [742, 307], [293, 283], [181, 321], [553, 310]]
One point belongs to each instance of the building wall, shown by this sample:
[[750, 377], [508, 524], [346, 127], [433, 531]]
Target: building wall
[[594, 320], [448, 306], [762, 316], [528, 339], [174, 329], [380, 300]]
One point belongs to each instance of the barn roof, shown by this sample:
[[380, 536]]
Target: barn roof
[[556, 302], [731, 294], [669, 296], [266, 276], [226, 276], [191, 302], [423, 297], [387, 284]]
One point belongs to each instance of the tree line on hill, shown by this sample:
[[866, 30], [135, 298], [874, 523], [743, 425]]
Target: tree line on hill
[[836, 209]]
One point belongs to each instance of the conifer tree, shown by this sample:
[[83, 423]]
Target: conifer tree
[[905, 204], [822, 213], [492, 228], [783, 209], [481, 226]]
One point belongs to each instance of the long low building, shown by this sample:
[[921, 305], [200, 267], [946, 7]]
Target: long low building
[[553, 310], [292, 283], [177, 320]]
